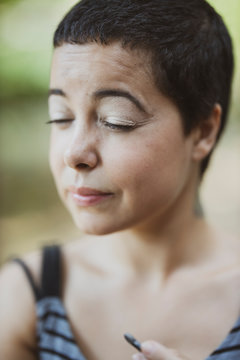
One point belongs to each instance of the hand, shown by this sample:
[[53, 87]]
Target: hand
[[152, 350]]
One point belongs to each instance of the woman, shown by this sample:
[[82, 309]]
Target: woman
[[139, 95]]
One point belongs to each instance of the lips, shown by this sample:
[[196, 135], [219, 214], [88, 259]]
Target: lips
[[86, 196]]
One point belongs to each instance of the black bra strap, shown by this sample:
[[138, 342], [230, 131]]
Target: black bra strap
[[34, 287], [51, 271]]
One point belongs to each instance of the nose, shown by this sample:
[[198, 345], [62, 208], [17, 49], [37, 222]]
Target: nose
[[81, 151]]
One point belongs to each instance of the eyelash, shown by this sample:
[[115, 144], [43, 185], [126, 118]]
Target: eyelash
[[117, 127], [103, 122], [58, 121]]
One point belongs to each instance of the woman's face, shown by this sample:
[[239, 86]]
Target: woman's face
[[118, 154]]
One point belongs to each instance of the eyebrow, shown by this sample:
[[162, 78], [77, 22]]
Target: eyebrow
[[100, 94], [58, 92]]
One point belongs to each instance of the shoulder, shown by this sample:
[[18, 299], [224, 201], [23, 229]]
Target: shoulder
[[227, 271], [17, 306], [226, 263], [229, 249], [14, 285]]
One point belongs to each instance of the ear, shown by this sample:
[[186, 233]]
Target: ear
[[205, 134]]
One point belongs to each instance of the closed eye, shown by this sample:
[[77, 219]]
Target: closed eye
[[118, 126], [59, 121]]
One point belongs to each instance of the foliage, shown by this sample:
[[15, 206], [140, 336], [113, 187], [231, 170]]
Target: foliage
[[26, 29]]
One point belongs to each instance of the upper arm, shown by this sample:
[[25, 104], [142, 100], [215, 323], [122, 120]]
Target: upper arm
[[17, 315]]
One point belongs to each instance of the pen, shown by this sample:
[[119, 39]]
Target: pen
[[134, 342]]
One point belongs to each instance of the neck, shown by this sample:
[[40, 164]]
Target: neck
[[163, 252], [163, 244]]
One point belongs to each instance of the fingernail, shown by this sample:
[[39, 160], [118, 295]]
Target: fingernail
[[138, 357], [148, 348]]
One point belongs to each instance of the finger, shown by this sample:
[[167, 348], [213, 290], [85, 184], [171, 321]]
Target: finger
[[152, 350], [138, 357]]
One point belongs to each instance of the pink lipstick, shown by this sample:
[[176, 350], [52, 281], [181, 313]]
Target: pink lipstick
[[85, 196]]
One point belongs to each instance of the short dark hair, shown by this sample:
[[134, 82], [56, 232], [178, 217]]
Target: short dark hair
[[190, 48]]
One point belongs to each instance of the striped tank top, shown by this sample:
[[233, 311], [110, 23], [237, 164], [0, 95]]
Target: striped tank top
[[55, 338]]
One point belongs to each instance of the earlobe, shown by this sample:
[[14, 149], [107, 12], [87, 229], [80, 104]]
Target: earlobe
[[205, 135]]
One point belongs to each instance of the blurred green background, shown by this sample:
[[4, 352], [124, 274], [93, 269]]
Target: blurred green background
[[30, 213]]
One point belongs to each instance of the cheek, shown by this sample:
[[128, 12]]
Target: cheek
[[159, 164], [139, 158]]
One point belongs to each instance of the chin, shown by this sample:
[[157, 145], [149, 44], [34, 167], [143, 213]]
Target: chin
[[95, 227], [100, 225]]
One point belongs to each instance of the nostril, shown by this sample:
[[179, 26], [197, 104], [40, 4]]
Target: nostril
[[80, 159], [82, 166]]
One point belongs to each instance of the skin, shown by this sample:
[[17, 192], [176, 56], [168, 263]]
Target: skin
[[113, 164], [154, 266]]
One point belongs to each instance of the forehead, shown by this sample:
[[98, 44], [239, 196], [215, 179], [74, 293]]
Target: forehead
[[94, 62]]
